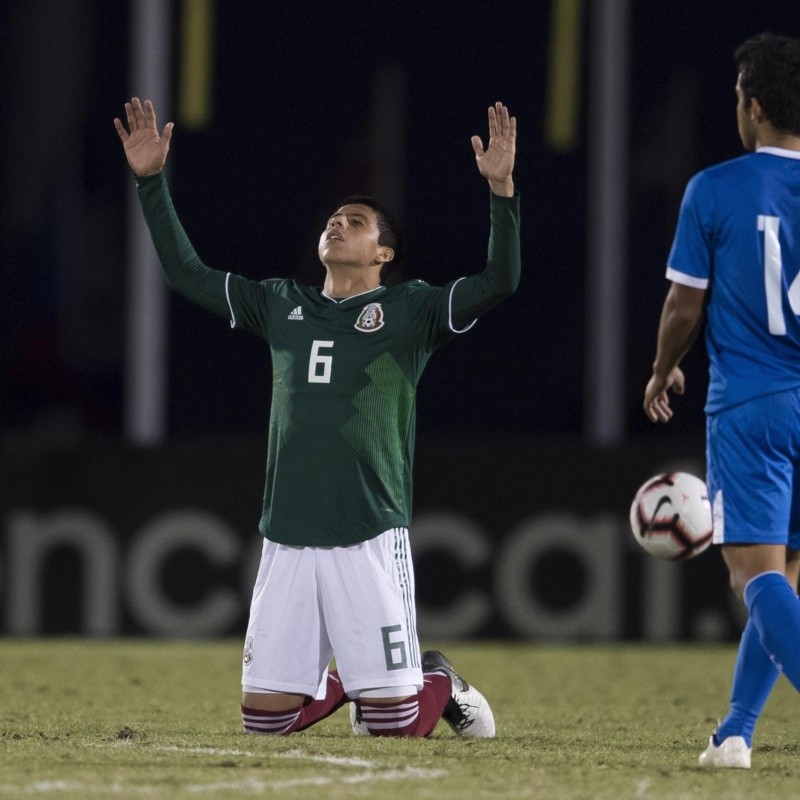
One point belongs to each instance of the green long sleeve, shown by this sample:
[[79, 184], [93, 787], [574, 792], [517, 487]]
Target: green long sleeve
[[475, 294], [184, 270]]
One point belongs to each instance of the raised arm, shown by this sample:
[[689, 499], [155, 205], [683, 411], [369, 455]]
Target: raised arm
[[475, 294], [146, 152]]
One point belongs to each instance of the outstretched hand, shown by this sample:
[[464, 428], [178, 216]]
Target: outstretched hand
[[496, 162], [145, 150]]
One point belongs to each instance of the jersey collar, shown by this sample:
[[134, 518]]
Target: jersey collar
[[779, 151], [352, 296]]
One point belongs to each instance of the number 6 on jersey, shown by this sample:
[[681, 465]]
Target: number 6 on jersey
[[317, 362]]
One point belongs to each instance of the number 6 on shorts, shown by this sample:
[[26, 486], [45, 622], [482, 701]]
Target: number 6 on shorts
[[394, 651]]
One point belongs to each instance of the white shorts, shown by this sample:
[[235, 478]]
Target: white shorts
[[354, 603]]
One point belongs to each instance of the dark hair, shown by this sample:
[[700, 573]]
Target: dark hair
[[389, 234], [769, 69]]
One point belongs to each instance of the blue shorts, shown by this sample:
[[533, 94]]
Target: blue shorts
[[753, 471]]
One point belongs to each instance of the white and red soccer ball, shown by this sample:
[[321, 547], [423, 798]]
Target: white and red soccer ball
[[671, 516]]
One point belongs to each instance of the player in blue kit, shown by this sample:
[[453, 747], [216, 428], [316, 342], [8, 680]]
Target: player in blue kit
[[736, 255], [336, 577]]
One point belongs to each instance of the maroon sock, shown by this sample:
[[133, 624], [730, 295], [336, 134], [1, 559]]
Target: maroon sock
[[415, 716], [433, 698], [315, 710], [281, 723]]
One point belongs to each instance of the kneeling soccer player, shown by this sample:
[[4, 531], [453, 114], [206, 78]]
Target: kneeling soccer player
[[336, 578]]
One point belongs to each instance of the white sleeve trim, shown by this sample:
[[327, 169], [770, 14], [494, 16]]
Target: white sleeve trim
[[228, 298], [450, 311], [686, 280]]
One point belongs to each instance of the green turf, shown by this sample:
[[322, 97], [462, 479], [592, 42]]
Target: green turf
[[88, 719]]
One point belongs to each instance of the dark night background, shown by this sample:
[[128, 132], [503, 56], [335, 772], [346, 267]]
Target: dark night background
[[291, 105], [503, 451]]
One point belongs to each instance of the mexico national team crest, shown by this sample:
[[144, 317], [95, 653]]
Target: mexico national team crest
[[370, 319]]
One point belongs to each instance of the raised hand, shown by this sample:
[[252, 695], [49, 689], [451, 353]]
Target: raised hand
[[145, 150], [496, 162]]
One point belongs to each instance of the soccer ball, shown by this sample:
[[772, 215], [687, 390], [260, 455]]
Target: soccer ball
[[671, 516]]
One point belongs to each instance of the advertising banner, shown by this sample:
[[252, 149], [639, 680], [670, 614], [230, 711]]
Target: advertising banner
[[512, 538]]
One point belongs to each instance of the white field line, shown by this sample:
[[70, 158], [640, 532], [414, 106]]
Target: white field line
[[259, 787], [296, 754], [250, 786], [50, 787], [371, 773]]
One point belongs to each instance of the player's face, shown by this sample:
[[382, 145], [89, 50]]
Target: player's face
[[351, 238], [747, 129]]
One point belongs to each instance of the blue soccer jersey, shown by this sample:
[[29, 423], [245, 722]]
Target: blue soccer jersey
[[738, 235]]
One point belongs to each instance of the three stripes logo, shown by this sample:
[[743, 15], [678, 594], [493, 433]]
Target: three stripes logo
[[296, 313]]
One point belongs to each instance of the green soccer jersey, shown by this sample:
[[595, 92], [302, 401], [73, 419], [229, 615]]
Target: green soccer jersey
[[342, 420]]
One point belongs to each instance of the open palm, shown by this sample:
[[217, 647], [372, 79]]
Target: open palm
[[496, 162], [145, 149]]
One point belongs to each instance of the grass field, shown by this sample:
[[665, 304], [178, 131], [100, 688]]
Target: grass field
[[130, 718]]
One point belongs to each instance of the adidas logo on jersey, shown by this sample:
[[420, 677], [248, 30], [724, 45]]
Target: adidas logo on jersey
[[296, 313]]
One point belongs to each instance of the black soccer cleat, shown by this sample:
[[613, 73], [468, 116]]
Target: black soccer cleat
[[467, 711]]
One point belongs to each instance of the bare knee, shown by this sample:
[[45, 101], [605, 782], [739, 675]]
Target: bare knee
[[737, 581], [739, 568], [272, 701], [745, 561]]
